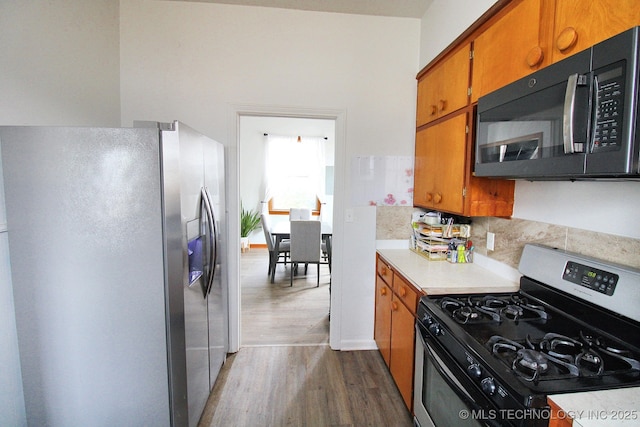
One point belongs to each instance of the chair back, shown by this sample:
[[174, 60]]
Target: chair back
[[299, 214], [305, 241], [267, 232]]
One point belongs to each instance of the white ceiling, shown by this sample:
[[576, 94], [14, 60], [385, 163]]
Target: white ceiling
[[398, 8]]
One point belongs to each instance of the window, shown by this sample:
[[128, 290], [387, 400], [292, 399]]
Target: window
[[295, 169]]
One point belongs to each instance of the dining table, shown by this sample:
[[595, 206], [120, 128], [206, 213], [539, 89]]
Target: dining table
[[282, 231]]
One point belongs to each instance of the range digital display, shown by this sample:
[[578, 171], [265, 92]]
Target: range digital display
[[589, 277]]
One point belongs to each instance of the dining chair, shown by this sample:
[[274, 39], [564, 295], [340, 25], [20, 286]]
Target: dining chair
[[305, 246], [283, 247], [299, 214]]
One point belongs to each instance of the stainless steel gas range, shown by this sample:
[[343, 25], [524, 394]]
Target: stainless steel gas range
[[492, 360]]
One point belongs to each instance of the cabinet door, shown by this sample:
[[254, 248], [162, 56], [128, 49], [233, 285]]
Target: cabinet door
[[504, 51], [450, 161], [444, 89], [440, 160], [382, 325], [402, 349], [578, 27], [428, 94], [424, 179], [454, 83]]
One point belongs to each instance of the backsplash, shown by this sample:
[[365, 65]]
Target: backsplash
[[393, 223]]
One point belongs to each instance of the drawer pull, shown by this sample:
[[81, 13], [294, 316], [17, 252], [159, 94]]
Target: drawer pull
[[403, 292], [394, 306], [383, 291]]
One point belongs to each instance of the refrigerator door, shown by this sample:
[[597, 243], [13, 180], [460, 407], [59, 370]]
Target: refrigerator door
[[217, 304], [194, 213], [84, 219]]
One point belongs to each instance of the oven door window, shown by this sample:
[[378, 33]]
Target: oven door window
[[444, 404]]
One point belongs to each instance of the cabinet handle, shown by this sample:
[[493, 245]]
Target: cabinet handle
[[429, 197], [394, 306], [535, 57], [437, 198], [442, 105], [383, 270], [403, 292], [567, 39], [434, 110], [383, 291]]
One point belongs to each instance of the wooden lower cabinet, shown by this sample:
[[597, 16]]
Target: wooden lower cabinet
[[394, 331], [559, 418], [402, 349], [382, 329]]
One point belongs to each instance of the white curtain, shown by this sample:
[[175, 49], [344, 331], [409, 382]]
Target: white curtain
[[293, 160]]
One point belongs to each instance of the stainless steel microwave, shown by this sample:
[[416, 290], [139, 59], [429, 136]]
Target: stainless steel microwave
[[575, 119]]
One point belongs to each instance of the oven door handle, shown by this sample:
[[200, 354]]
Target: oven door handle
[[447, 376]]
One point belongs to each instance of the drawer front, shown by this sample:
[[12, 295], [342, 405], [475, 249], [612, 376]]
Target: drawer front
[[385, 272], [406, 292]]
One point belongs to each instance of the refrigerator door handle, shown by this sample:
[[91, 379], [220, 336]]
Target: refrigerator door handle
[[213, 240]]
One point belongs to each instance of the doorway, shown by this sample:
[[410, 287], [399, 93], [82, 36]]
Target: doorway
[[275, 313]]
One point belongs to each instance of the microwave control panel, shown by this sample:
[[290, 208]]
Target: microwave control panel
[[592, 278], [609, 87]]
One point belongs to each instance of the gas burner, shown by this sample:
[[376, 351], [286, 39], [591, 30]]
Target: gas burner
[[465, 314], [530, 364], [532, 360], [621, 355], [492, 308], [449, 304], [512, 311]]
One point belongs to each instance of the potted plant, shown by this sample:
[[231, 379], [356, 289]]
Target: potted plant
[[249, 221]]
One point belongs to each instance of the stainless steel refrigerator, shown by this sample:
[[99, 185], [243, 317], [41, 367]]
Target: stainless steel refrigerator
[[116, 244]]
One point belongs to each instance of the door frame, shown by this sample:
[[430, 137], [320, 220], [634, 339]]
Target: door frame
[[233, 209]]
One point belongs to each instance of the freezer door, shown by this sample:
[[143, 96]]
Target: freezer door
[[217, 302], [194, 220]]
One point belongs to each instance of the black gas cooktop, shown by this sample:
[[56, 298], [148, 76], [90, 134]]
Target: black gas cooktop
[[560, 336]]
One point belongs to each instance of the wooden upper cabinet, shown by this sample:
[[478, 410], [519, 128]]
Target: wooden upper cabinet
[[445, 88], [580, 24], [439, 175], [443, 178], [514, 46]]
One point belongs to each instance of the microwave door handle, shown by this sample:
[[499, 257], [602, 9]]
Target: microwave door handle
[[568, 112]]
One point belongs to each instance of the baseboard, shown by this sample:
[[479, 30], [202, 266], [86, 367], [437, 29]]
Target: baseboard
[[351, 345]]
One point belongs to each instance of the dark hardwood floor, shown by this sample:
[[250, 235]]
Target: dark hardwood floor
[[285, 374]]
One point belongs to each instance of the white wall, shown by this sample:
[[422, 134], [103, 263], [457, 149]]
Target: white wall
[[444, 21], [201, 63], [606, 207], [60, 62]]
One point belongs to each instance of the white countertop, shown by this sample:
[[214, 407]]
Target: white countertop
[[619, 407], [442, 277]]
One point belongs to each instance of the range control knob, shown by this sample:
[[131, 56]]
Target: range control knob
[[427, 319], [474, 371], [435, 329], [488, 386]]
